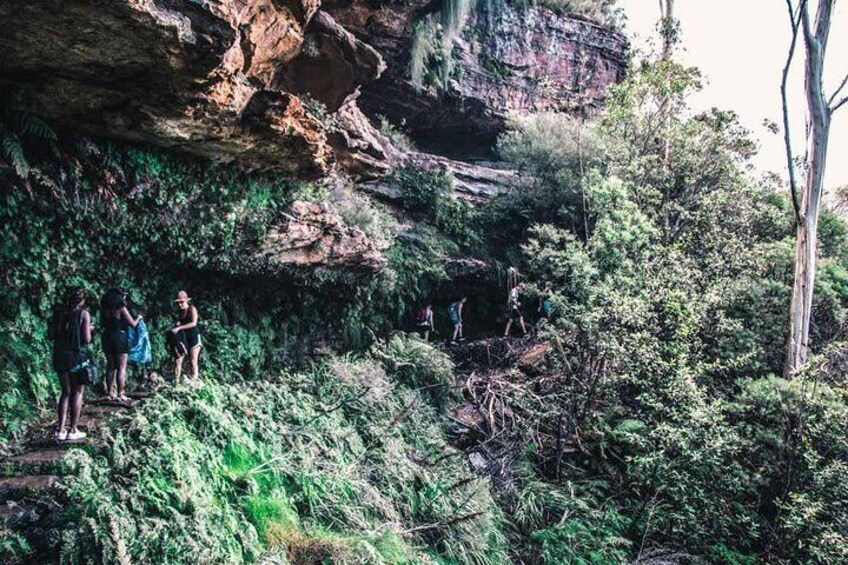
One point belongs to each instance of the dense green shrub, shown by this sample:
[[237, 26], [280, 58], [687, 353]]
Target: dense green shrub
[[671, 272], [430, 194]]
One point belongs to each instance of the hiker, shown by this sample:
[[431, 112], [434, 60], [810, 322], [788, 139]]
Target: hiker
[[546, 307], [455, 313], [70, 331], [185, 337], [424, 323], [514, 306], [117, 322]]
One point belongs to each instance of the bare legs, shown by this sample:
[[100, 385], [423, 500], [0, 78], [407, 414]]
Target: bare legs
[[117, 370], [457, 332], [76, 405], [509, 325], [64, 397], [178, 368], [70, 398], [194, 359]]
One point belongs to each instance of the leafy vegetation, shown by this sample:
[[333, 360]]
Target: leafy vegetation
[[653, 425], [430, 194], [665, 429], [343, 464]]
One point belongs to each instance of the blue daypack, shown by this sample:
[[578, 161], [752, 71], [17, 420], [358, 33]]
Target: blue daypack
[[139, 344]]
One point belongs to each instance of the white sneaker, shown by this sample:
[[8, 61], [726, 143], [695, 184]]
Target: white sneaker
[[75, 436], [61, 435]]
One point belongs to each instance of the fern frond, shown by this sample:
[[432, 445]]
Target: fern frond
[[13, 150], [36, 127]]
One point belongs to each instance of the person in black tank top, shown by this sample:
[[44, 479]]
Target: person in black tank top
[[186, 338], [70, 330], [116, 324]]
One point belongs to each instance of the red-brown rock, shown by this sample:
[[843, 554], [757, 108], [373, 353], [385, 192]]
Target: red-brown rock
[[218, 78], [520, 58], [315, 236]]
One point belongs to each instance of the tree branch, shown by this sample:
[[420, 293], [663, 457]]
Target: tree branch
[[839, 104], [838, 90], [794, 22]]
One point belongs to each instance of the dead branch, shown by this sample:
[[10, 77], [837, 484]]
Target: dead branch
[[794, 22]]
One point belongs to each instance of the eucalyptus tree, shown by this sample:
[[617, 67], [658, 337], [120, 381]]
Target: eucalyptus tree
[[813, 32]]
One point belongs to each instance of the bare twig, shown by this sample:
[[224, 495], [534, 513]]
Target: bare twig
[[794, 21], [837, 91], [839, 104]]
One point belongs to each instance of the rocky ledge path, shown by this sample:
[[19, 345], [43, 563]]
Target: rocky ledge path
[[29, 505]]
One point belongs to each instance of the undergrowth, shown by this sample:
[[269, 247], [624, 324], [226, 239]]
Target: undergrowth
[[345, 463]]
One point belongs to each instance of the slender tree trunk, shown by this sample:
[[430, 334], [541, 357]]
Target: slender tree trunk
[[667, 31], [818, 131]]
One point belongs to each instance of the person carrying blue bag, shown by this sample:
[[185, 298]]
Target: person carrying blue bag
[[139, 340], [117, 321]]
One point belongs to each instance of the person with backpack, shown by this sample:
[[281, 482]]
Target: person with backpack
[[546, 306], [70, 330], [455, 313], [117, 322], [185, 337], [424, 323], [514, 307]]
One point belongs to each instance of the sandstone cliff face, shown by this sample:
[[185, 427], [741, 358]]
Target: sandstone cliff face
[[295, 85], [218, 78], [513, 59], [314, 236], [226, 79]]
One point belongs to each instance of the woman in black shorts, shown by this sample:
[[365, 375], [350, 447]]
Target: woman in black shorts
[[70, 330], [186, 337], [116, 324]]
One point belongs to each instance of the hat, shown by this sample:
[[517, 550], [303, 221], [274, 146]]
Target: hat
[[182, 296]]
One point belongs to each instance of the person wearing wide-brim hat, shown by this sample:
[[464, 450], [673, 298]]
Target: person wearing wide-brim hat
[[186, 337]]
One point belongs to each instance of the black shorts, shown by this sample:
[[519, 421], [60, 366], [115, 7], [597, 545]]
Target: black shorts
[[64, 360], [515, 314], [116, 342], [183, 341]]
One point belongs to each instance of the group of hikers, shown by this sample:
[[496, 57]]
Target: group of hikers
[[425, 322], [71, 330]]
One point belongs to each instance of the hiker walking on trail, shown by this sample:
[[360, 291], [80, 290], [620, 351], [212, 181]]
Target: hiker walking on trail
[[117, 321], [514, 306], [424, 323], [70, 330], [546, 306], [455, 313], [185, 337]]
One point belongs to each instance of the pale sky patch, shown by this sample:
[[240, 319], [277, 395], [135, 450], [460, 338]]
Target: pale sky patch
[[740, 46]]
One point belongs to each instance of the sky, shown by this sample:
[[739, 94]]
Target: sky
[[741, 47]]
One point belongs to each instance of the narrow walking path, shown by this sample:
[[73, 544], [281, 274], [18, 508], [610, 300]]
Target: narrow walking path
[[28, 478]]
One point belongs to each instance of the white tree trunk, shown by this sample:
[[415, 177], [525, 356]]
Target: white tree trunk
[[818, 131]]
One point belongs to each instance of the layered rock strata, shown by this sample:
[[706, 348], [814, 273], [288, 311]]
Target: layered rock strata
[[513, 58]]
